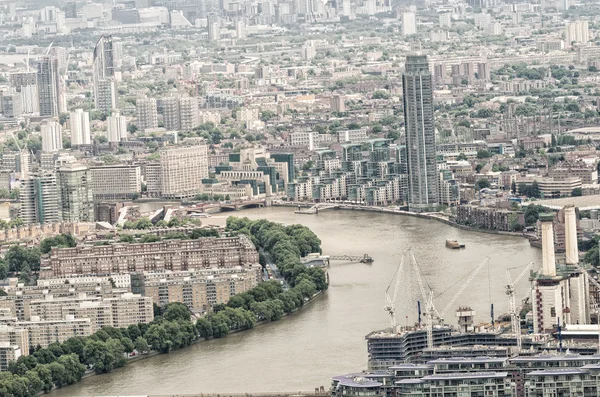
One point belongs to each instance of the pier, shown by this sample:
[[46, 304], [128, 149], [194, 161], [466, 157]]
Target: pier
[[316, 208]]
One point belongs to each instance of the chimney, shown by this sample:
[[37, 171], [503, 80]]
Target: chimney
[[548, 259], [572, 252]]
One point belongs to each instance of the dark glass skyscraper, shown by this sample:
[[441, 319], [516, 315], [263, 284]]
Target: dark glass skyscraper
[[423, 177]]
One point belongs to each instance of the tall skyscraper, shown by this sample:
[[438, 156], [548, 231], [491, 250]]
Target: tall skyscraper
[[423, 176], [39, 201], [409, 23], [147, 116], [105, 85], [51, 136], [182, 170], [117, 127], [49, 87], [75, 193], [80, 127]]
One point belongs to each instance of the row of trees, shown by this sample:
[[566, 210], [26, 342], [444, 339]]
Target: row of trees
[[268, 301], [23, 261], [62, 364]]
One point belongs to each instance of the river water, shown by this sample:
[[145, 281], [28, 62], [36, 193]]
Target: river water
[[326, 338]]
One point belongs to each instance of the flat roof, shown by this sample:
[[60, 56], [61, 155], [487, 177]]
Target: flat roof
[[558, 371], [467, 375], [549, 357], [582, 202], [461, 360]]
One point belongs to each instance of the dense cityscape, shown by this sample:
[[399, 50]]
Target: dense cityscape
[[131, 129]]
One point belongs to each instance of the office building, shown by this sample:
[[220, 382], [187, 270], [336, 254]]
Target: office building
[[75, 193], [182, 170], [147, 115], [39, 199], [80, 128], [50, 92], [105, 85], [51, 132], [116, 182], [423, 176], [172, 255], [116, 130], [409, 23]]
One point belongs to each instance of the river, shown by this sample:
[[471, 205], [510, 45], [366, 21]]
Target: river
[[326, 338]]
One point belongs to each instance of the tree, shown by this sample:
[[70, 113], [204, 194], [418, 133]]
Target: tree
[[141, 345], [18, 257], [461, 156], [177, 312], [513, 187], [576, 192], [482, 184], [483, 154]]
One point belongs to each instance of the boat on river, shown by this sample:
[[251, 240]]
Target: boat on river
[[453, 244]]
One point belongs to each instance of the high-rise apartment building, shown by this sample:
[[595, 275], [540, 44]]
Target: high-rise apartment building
[[189, 115], [117, 127], [105, 86], [409, 23], [75, 193], [147, 115], [49, 87], [39, 199], [171, 113], [25, 83], [182, 170], [12, 105], [51, 135], [423, 178], [338, 103], [80, 127], [577, 32]]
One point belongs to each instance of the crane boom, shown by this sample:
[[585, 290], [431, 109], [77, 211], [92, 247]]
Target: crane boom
[[390, 300], [464, 286], [515, 320]]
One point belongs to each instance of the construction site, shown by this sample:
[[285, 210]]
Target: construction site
[[550, 340]]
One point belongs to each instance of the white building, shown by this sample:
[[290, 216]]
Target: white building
[[51, 135], [80, 127], [116, 127], [409, 23], [577, 32]]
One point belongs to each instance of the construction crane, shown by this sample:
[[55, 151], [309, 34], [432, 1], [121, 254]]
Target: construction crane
[[515, 319], [431, 313], [390, 299], [49, 48]]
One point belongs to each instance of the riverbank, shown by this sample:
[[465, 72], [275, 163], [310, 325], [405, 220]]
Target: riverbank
[[141, 357], [433, 216]]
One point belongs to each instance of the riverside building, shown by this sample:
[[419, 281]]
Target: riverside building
[[172, 255]]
